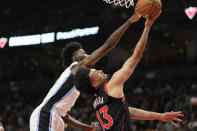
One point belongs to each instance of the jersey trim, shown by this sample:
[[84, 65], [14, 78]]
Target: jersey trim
[[50, 103], [55, 105], [123, 99], [105, 87]]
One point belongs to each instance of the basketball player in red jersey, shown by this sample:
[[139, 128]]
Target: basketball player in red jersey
[[52, 113], [111, 107]]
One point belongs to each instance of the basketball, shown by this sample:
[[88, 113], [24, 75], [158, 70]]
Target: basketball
[[148, 7]]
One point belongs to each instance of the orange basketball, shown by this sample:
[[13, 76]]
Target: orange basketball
[[148, 7]]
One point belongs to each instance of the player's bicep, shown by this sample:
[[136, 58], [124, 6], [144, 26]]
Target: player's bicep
[[126, 71], [119, 77]]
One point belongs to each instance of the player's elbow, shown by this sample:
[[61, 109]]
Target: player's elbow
[[132, 112], [139, 56], [110, 46]]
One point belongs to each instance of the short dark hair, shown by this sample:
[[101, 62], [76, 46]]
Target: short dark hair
[[82, 81], [68, 50]]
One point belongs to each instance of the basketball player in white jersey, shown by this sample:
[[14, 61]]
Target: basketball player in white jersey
[[52, 113]]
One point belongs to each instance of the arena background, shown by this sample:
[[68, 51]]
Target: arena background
[[164, 80]]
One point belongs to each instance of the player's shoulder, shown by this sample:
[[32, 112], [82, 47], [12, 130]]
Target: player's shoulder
[[73, 64], [74, 67]]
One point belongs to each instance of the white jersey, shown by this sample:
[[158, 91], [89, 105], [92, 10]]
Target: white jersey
[[59, 100]]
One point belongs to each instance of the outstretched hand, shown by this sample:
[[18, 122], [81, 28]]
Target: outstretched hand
[[171, 117], [94, 126], [150, 20]]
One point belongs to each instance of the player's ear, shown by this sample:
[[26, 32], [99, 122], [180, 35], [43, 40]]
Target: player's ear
[[75, 58]]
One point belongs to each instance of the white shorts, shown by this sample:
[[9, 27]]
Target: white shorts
[[56, 123]]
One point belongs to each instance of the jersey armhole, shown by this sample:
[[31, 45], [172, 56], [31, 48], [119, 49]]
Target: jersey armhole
[[105, 88]]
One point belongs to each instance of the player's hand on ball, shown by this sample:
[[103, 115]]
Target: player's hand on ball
[[150, 20], [135, 18], [94, 126], [171, 117]]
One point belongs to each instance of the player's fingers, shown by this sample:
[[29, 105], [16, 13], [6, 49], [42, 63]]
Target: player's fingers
[[137, 13], [179, 115], [173, 123], [139, 16], [177, 119], [96, 125], [157, 15], [179, 112]]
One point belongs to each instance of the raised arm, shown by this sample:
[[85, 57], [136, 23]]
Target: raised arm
[[128, 67], [110, 43], [118, 79], [77, 124], [147, 115]]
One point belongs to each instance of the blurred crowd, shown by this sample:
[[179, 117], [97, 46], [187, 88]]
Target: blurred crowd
[[161, 87], [150, 94]]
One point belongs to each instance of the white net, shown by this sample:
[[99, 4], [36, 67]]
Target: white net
[[126, 3]]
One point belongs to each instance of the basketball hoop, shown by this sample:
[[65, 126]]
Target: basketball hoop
[[126, 3]]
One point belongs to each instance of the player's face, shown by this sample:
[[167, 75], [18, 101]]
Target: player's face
[[97, 77], [79, 55]]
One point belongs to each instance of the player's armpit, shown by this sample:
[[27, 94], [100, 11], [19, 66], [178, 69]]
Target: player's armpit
[[116, 84], [121, 76]]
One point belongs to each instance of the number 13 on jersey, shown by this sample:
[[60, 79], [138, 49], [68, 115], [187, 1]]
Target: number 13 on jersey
[[102, 113]]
